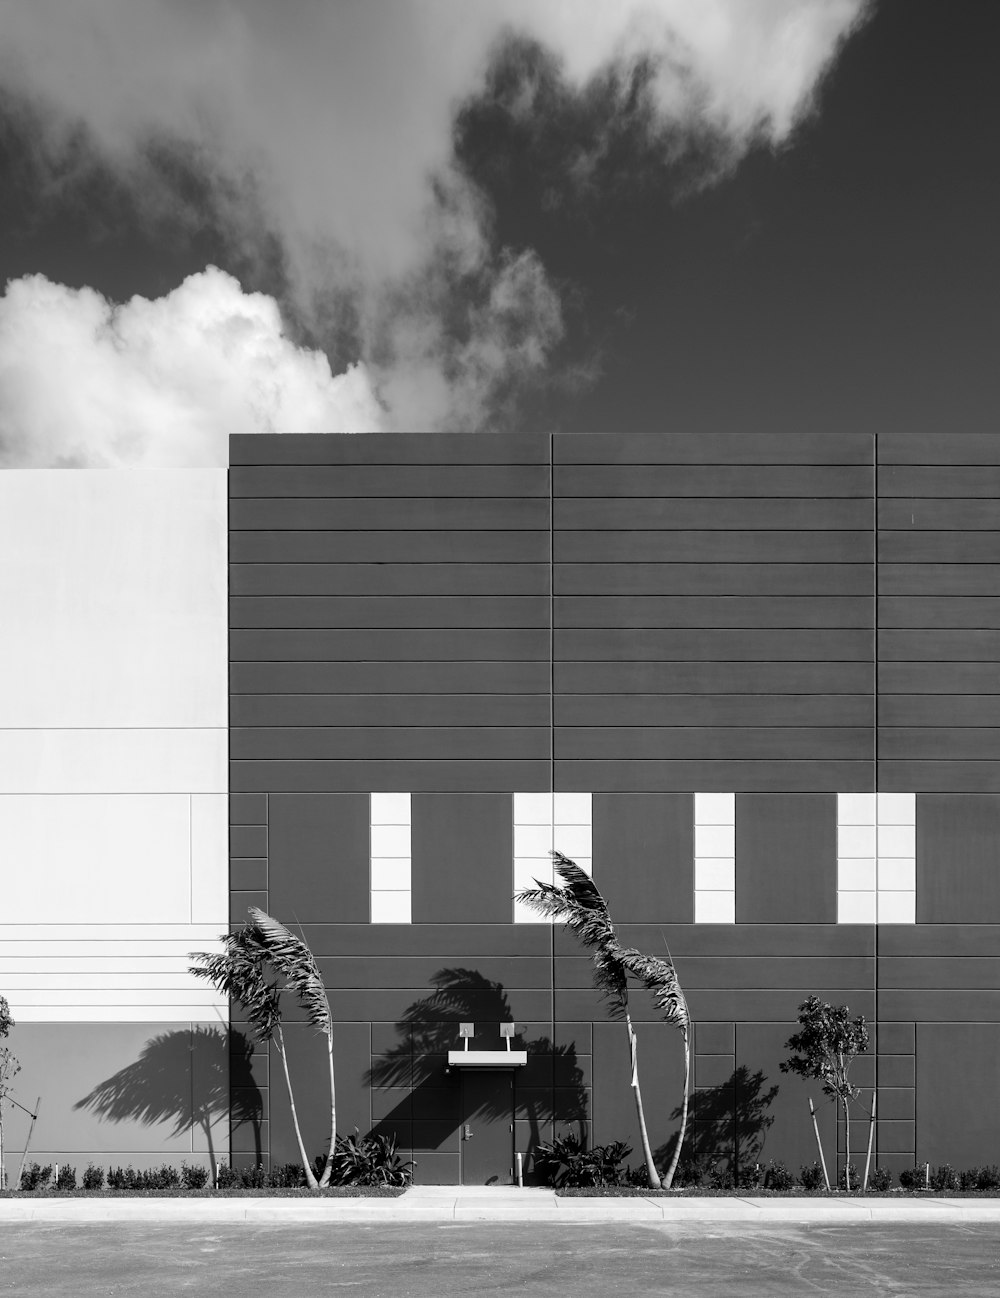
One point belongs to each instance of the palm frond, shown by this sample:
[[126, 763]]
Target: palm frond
[[660, 978], [237, 972], [297, 965]]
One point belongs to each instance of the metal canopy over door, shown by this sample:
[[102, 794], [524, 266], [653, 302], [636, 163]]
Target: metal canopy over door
[[487, 1127]]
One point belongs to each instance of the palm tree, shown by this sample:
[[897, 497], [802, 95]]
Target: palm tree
[[580, 906], [238, 972], [660, 977], [291, 957]]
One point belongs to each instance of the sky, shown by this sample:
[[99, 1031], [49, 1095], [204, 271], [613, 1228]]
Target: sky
[[226, 216]]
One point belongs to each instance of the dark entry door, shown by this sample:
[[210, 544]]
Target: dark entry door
[[487, 1128]]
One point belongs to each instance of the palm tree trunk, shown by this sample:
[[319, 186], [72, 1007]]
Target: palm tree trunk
[[3, 1174], [324, 1180], [654, 1176], [311, 1181], [847, 1146], [668, 1180]]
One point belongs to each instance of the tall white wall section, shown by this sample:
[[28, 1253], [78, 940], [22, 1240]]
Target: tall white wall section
[[113, 742]]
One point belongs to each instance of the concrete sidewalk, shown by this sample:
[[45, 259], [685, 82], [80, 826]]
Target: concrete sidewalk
[[449, 1203]]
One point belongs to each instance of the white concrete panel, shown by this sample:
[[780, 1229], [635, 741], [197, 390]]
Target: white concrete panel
[[897, 808], [113, 588], [113, 761], [390, 874], [572, 808], [532, 808], [897, 874], [855, 840], [856, 908], [574, 841], [856, 874], [715, 874], [529, 871], [178, 982], [715, 808], [390, 840], [210, 859], [114, 1013], [714, 840], [897, 840], [99, 858], [715, 907], [390, 908], [532, 840], [123, 937], [856, 808], [897, 907], [197, 994], [390, 809], [586, 864], [79, 966]]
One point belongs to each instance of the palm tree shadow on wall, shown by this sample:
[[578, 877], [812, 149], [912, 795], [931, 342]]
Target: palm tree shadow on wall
[[191, 1078], [429, 1028], [727, 1126]]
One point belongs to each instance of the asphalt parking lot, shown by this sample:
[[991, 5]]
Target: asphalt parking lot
[[438, 1260]]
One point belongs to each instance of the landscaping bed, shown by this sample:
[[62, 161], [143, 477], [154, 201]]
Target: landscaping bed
[[262, 1192]]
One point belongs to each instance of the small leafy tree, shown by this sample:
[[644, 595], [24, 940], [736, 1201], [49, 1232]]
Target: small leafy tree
[[580, 906], [9, 1068], [827, 1043]]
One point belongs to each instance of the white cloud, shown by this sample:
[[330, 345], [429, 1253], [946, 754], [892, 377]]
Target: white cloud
[[159, 383]]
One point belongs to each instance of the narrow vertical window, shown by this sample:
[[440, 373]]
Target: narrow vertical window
[[389, 846], [715, 858]]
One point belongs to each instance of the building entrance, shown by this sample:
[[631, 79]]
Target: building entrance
[[487, 1127]]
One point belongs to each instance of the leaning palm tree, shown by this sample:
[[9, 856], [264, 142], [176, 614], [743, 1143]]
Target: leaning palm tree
[[660, 977], [238, 971], [290, 956], [581, 907]]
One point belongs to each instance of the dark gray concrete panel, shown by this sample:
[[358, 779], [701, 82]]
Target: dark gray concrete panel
[[950, 971], [380, 579], [725, 743], [713, 448], [926, 678], [248, 840], [937, 480], [418, 611], [971, 515], [934, 1005], [915, 447], [786, 859], [938, 547], [461, 943], [714, 480], [319, 857], [951, 579], [644, 855], [391, 743], [702, 547], [957, 1060], [462, 852], [390, 547], [712, 709], [704, 611], [275, 677], [939, 647], [390, 514], [939, 709], [958, 872], [897, 1038], [843, 941], [352, 481], [247, 809], [732, 1005], [707, 776], [611, 512], [389, 710], [939, 777], [939, 744], [771, 645], [721, 972], [466, 972], [939, 939], [939, 613], [709, 579], [390, 645], [388, 449], [413, 775], [692, 677]]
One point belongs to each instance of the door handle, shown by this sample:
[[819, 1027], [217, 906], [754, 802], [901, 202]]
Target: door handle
[[466, 1132]]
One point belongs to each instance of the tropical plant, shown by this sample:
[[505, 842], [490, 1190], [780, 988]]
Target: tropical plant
[[369, 1160], [9, 1068], [240, 971], [579, 905], [567, 1162], [828, 1042]]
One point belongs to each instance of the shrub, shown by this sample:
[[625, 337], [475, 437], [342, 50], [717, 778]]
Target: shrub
[[93, 1177], [719, 1175], [945, 1178], [750, 1178], [567, 1162], [812, 1178], [880, 1180], [777, 1176], [854, 1183], [35, 1177], [66, 1177], [988, 1178], [913, 1178], [374, 1160], [194, 1178], [286, 1176], [227, 1178]]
